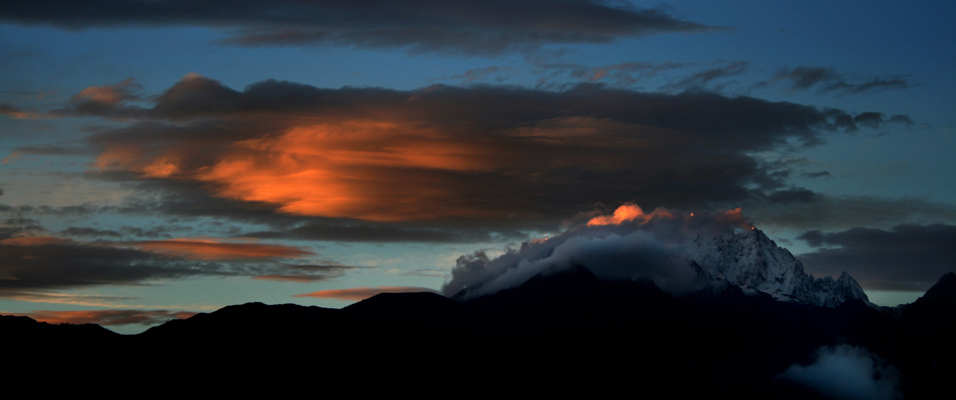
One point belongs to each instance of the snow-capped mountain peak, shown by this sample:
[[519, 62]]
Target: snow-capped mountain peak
[[747, 258]]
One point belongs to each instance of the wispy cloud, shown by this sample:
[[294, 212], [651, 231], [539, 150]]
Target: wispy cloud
[[108, 317], [356, 294], [32, 263], [828, 80]]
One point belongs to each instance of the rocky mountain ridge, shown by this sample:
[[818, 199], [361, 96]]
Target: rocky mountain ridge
[[750, 260], [601, 336]]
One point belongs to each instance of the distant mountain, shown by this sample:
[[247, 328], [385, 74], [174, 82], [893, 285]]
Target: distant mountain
[[942, 296]]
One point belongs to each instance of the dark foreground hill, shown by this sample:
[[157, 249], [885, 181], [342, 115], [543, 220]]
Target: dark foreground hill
[[557, 334]]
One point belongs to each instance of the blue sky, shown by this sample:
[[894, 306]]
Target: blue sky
[[217, 153]]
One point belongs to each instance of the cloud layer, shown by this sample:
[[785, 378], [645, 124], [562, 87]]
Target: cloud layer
[[476, 28], [108, 317], [828, 80], [37, 263], [356, 294], [905, 257], [845, 373], [629, 245], [444, 153]]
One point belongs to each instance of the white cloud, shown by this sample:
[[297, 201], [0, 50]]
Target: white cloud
[[845, 373]]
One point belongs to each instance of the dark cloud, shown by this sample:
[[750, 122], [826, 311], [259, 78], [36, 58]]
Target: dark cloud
[[359, 231], [805, 78], [51, 150], [813, 238], [63, 211], [155, 232], [798, 195], [799, 208], [480, 74], [867, 86], [100, 100], [901, 119], [629, 72], [871, 119], [558, 75], [827, 80], [86, 231], [109, 317], [362, 293], [48, 263], [627, 245], [20, 226], [11, 111], [633, 256], [44, 262], [699, 81], [818, 174], [188, 199], [905, 257], [308, 273], [418, 165], [475, 28]]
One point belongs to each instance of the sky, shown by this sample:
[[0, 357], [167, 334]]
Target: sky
[[163, 158]]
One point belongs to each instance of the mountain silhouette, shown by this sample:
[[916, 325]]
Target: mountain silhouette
[[562, 331]]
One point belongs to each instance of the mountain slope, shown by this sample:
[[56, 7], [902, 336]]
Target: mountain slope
[[562, 331], [750, 260]]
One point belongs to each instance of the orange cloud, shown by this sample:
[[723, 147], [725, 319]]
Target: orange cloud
[[443, 155], [355, 169], [99, 94], [110, 95], [15, 114], [735, 217], [34, 241], [385, 170], [356, 294], [627, 213], [108, 317], [212, 250]]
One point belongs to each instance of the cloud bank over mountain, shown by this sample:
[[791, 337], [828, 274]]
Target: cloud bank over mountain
[[628, 245]]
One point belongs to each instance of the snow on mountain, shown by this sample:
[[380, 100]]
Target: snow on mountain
[[678, 252], [747, 258]]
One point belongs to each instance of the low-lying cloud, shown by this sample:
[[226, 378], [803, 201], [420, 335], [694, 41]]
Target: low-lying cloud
[[846, 373], [629, 245]]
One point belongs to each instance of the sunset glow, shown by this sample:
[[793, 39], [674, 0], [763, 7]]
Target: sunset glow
[[107, 317], [181, 156], [628, 213], [213, 250], [356, 294]]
